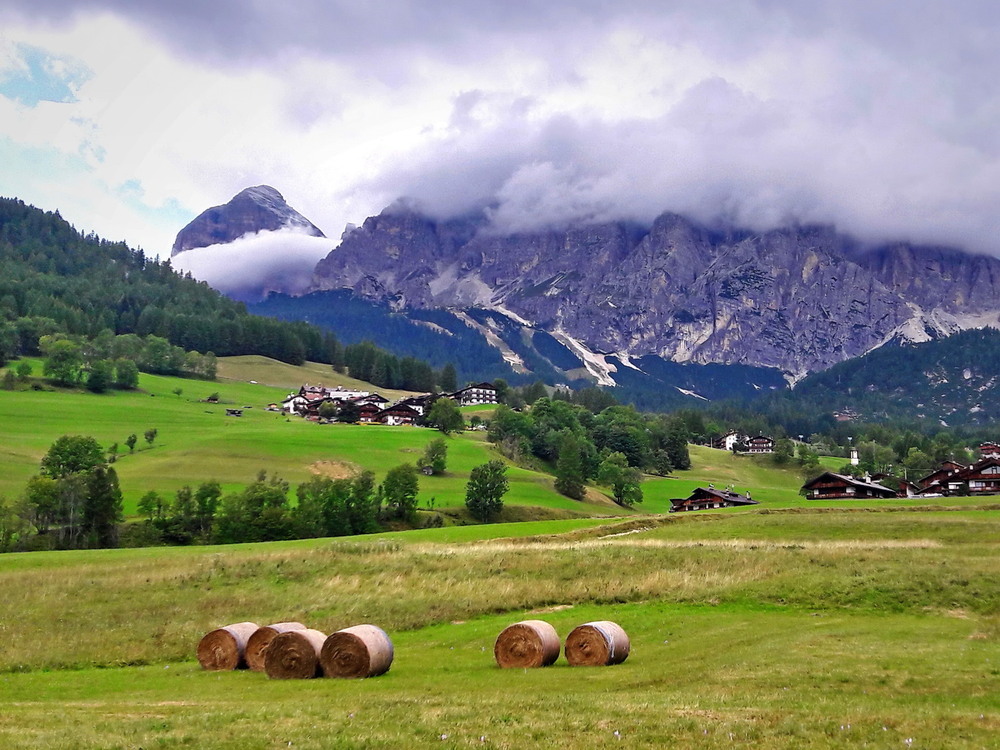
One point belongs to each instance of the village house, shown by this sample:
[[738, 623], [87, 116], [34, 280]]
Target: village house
[[705, 498], [420, 404], [368, 413], [828, 486], [307, 401], [397, 414], [939, 481], [989, 450], [760, 444], [727, 441], [480, 393], [982, 477]]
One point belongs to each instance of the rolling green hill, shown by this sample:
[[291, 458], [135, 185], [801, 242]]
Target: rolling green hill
[[197, 442]]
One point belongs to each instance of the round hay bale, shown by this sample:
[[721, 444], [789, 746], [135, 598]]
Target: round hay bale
[[294, 655], [360, 651], [261, 639], [225, 648], [527, 644], [597, 644]]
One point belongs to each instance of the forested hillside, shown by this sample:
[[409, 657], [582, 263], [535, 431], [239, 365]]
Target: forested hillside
[[55, 280], [953, 380]]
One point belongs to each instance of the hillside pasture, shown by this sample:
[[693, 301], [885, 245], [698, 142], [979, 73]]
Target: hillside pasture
[[198, 442]]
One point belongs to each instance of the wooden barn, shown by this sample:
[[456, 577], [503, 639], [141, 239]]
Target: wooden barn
[[705, 498]]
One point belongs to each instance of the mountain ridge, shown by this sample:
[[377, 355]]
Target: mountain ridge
[[799, 298]]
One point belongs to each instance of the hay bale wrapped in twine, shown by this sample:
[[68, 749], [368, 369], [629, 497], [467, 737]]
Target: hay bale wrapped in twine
[[597, 644], [294, 655], [360, 651], [527, 644], [225, 648], [261, 639]]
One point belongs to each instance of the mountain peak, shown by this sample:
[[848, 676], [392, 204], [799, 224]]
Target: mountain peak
[[255, 209]]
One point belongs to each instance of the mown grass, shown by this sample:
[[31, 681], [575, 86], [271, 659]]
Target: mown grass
[[814, 629]]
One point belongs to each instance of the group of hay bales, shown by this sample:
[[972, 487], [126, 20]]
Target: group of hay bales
[[290, 650], [535, 643]]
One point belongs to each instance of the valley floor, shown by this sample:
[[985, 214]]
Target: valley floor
[[791, 629]]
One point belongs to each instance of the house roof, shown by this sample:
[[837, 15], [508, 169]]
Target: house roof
[[847, 480], [728, 496]]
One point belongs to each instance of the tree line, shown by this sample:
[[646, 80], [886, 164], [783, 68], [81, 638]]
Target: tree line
[[75, 501], [613, 446]]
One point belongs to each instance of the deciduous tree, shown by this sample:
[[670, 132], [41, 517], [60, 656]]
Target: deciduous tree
[[485, 490]]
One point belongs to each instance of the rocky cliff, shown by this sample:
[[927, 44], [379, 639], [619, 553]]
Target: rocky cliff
[[255, 209], [799, 299]]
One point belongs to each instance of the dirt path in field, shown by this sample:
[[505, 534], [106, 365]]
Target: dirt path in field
[[335, 469]]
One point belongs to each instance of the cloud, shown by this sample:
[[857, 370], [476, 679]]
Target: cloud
[[253, 265], [879, 118]]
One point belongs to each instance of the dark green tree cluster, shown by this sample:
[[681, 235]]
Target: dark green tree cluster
[[576, 442], [75, 499], [435, 458], [262, 512], [115, 361], [485, 491], [445, 415], [365, 361], [57, 281]]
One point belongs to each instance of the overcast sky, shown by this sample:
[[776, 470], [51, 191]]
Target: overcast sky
[[133, 116]]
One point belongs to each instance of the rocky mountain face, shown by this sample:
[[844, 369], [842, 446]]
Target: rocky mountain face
[[253, 210], [797, 299]]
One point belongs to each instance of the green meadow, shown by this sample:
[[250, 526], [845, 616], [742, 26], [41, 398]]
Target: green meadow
[[785, 625], [197, 442], [794, 628]]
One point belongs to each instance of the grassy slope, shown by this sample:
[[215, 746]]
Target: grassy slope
[[196, 442], [797, 629], [289, 377]]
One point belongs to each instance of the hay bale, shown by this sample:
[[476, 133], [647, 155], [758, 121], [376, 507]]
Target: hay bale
[[360, 651], [261, 639], [225, 648], [597, 644], [527, 644], [294, 655]]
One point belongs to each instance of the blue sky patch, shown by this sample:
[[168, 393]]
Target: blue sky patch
[[40, 76]]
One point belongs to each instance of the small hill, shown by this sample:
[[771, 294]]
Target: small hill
[[252, 368]]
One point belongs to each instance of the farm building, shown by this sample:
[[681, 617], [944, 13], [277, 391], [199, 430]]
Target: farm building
[[397, 415], [829, 486], [704, 498]]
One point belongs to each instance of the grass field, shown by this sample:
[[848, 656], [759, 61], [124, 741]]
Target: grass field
[[786, 625], [820, 628], [197, 442]]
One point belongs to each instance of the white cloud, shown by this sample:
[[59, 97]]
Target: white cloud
[[879, 118], [252, 265]]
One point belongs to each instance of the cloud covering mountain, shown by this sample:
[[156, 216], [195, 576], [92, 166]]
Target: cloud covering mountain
[[879, 118]]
